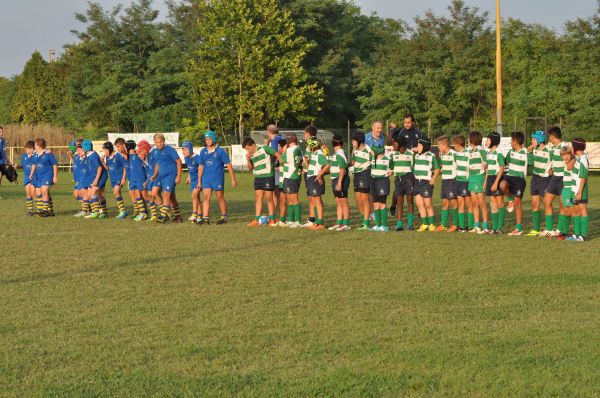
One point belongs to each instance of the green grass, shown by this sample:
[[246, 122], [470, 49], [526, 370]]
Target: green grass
[[117, 308]]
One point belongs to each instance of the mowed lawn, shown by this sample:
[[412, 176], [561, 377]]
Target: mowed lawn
[[117, 308]]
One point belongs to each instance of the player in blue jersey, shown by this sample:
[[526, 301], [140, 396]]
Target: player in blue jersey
[[152, 187], [213, 160], [167, 173], [45, 174], [136, 175], [192, 161], [27, 160], [114, 162], [96, 181]]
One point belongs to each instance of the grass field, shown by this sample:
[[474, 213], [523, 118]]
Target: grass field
[[117, 308]]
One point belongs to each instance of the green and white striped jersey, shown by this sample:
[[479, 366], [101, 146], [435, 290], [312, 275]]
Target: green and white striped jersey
[[362, 159], [316, 162], [558, 165], [477, 157], [448, 163], [462, 165], [292, 163], [495, 161], [540, 158], [337, 161], [517, 163], [263, 162], [425, 163], [380, 166], [579, 173], [402, 162]]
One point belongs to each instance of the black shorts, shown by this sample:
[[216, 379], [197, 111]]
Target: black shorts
[[380, 199], [555, 186], [462, 188], [488, 186], [404, 185], [345, 186], [290, 186], [449, 189], [517, 185], [380, 187], [314, 188], [264, 183], [362, 181], [423, 188], [539, 185]]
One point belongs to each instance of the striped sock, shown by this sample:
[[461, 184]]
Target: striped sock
[[140, 205], [152, 206], [120, 203], [176, 211], [95, 204], [103, 205], [50, 205], [45, 205], [85, 206], [164, 211], [30, 205], [38, 203]]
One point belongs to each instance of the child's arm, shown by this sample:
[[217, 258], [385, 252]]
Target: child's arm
[[155, 173], [32, 171], [179, 171], [324, 171], [249, 161], [98, 174], [232, 174], [123, 178], [278, 156], [200, 172], [436, 173], [55, 172]]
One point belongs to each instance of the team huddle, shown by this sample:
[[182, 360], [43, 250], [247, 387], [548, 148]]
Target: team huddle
[[476, 179], [474, 174]]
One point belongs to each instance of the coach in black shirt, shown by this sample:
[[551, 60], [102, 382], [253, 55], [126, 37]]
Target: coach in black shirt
[[409, 131]]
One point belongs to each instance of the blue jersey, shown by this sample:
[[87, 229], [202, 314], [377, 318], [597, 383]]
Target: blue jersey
[[93, 162], [370, 140], [167, 160], [44, 165], [2, 151], [136, 171], [214, 163], [81, 170], [192, 164], [26, 163], [116, 165]]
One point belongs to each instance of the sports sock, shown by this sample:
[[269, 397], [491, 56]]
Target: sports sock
[[485, 225], [444, 221], [153, 209], [29, 205], [549, 222], [282, 219], [365, 222], [256, 218], [319, 221], [377, 218], [164, 211], [561, 221], [103, 205], [384, 217], [537, 215], [176, 211], [577, 225], [38, 203], [140, 205], [410, 218], [461, 220], [519, 227], [339, 222], [399, 224], [272, 217], [501, 217], [346, 222], [431, 220], [495, 219], [470, 220], [454, 213], [94, 204], [476, 225], [86, 207], [585, 224], [120, 203], [50, 205]]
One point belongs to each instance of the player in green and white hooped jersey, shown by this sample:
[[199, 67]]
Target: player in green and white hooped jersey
[[580, 190], [318, 166], [426, 170], [381, 170], [449, 201], [569, 209], [403, 160], [361, 161], [338, 168], [514, 184], [282, 199], [292, 174], [260, 162], [477, 170], [494, 174], [539, 157], [555, 186], [462, 182], [309, 132]]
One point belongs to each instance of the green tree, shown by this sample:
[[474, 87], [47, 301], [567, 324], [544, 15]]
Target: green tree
[[8, 88], [248, 67]]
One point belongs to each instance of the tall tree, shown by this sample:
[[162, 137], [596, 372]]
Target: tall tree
[[248, 67]]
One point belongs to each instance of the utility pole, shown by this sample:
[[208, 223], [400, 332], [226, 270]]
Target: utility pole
[[499, 102]]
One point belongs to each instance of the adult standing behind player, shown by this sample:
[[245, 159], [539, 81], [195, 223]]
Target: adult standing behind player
[[412, 135]]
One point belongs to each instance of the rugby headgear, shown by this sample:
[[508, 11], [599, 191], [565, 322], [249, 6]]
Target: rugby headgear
[[312, 143], [337, 141], [108, 146], [212, 135], [73, 146], [189, 146], [578, 144], [87, 145], [426, 143], [539, 136], [144, 146]]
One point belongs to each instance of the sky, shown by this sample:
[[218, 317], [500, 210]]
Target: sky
[[29, 25]]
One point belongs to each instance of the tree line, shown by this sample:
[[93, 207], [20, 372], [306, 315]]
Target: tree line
[[236, 65]]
